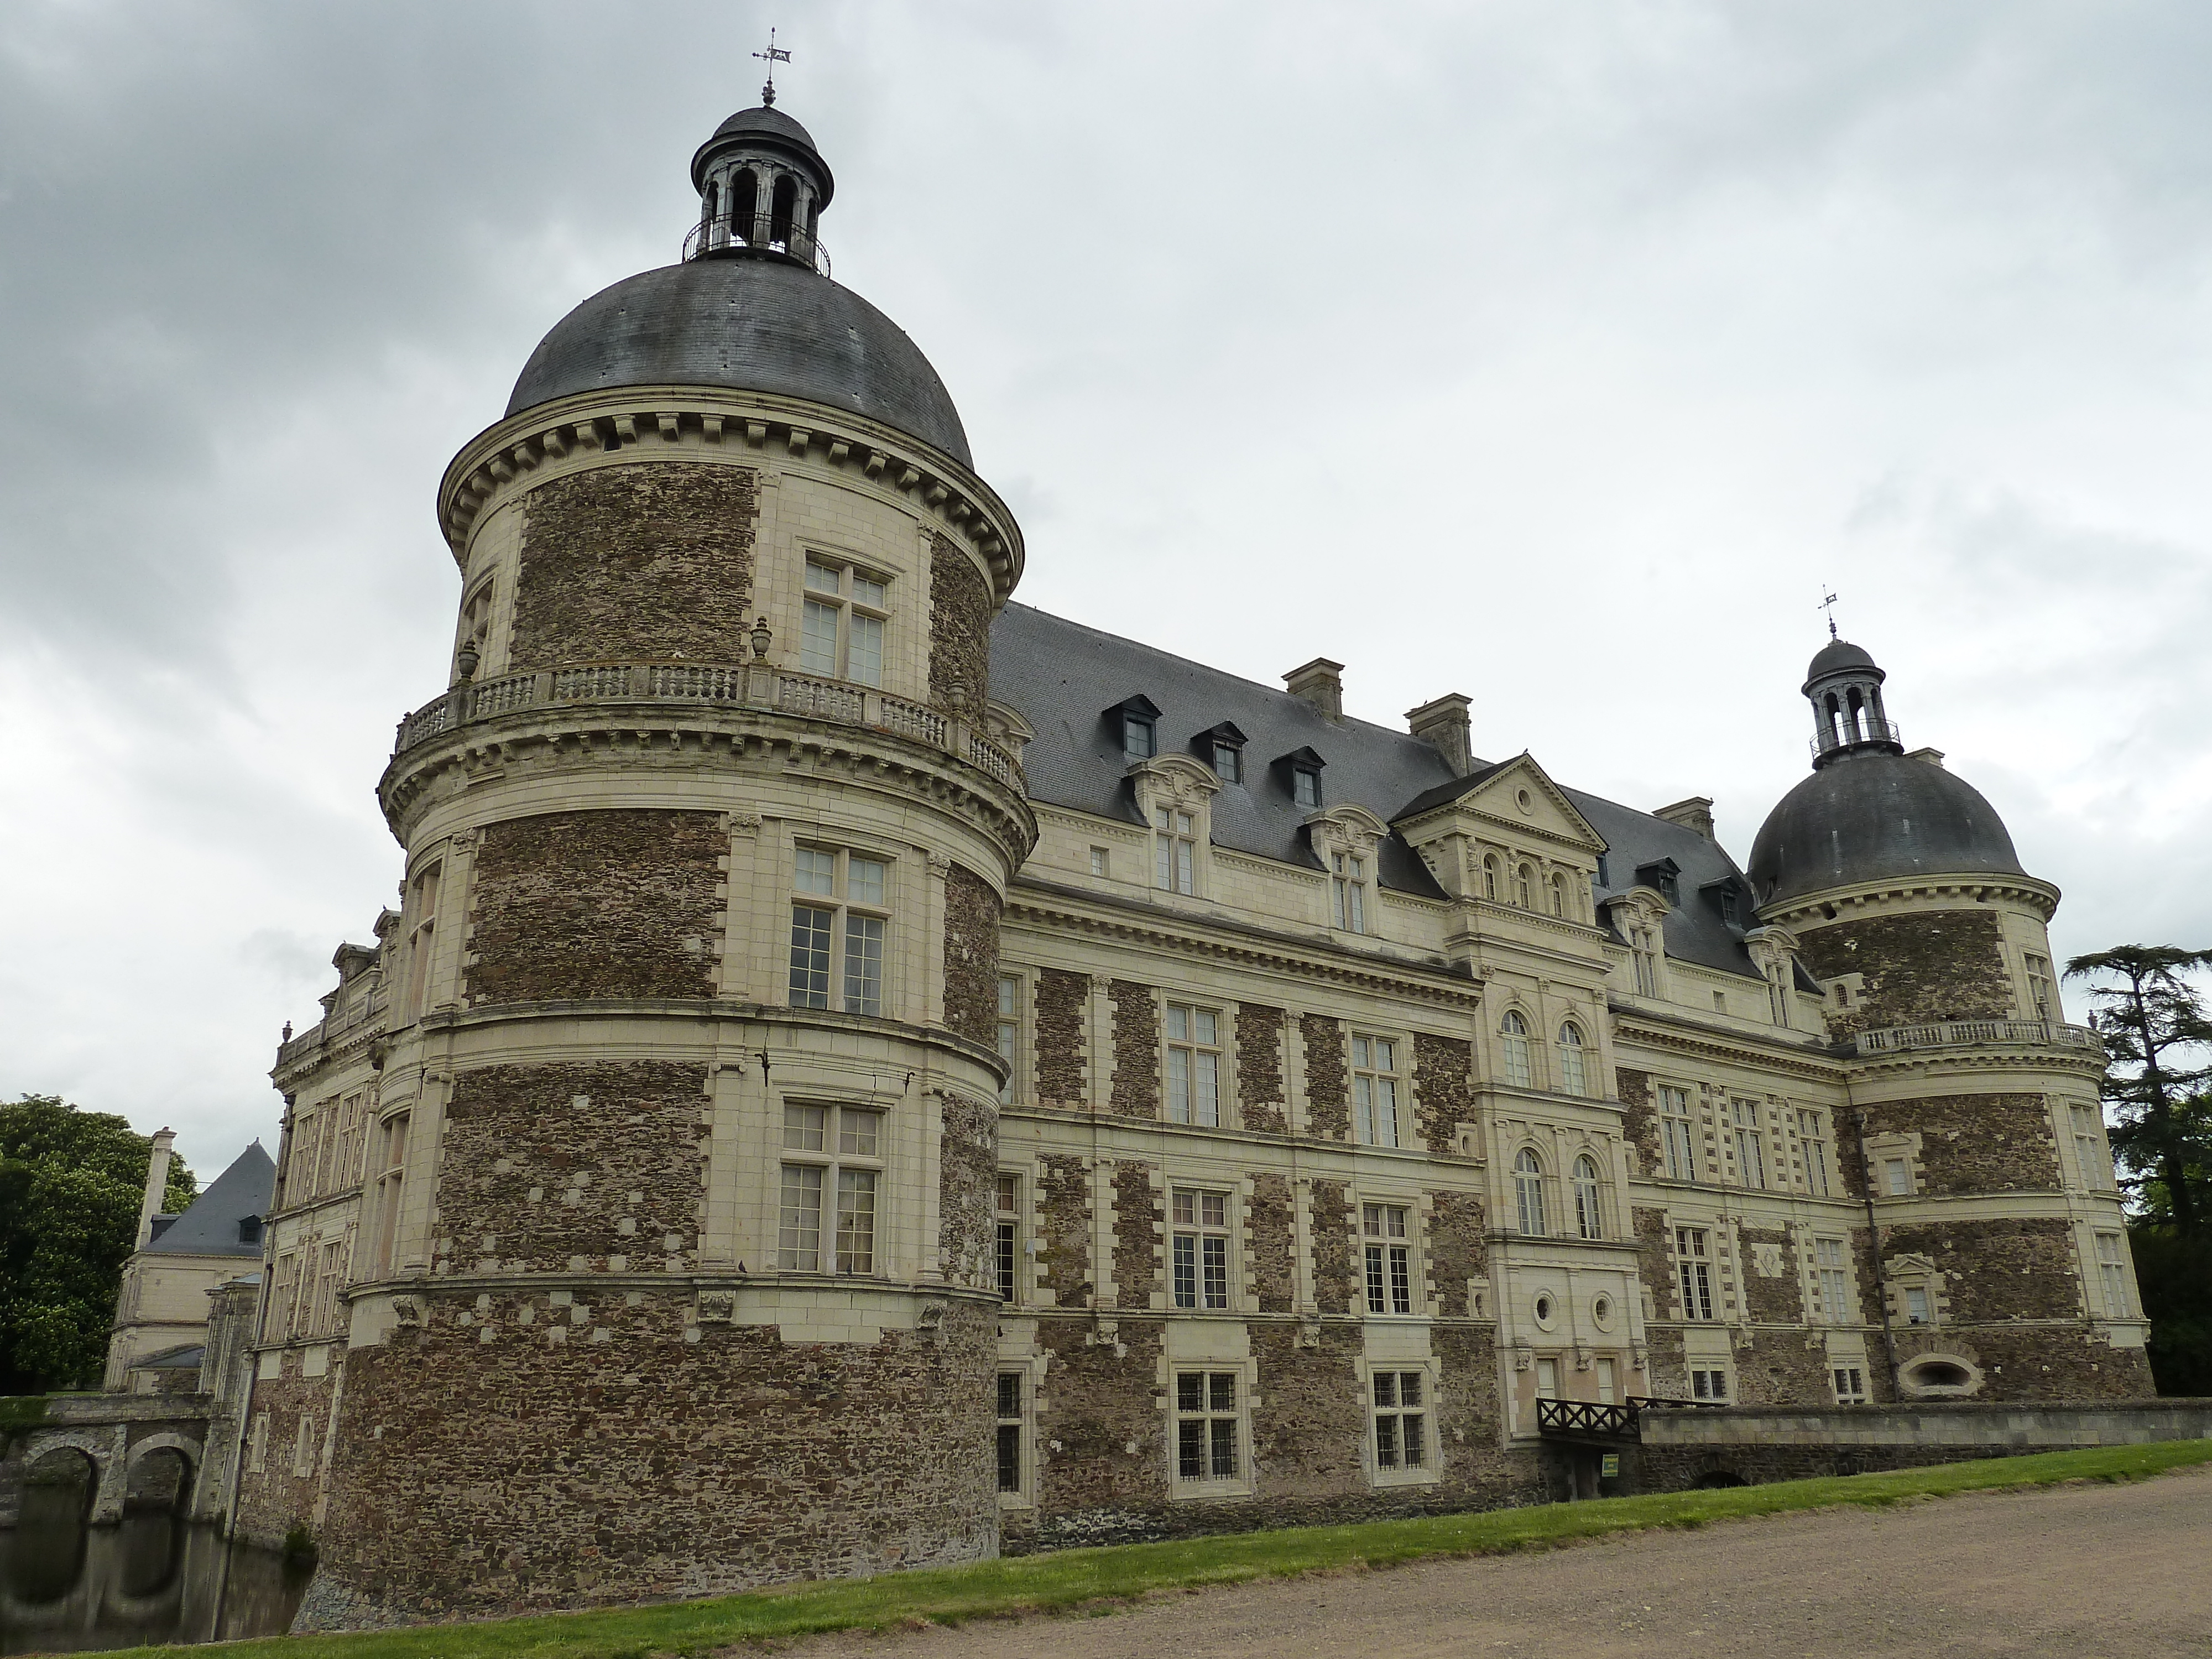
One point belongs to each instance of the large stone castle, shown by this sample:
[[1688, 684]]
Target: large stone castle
[[862, 1074]]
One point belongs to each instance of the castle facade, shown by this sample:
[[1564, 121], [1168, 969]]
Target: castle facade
[[860, 1073]]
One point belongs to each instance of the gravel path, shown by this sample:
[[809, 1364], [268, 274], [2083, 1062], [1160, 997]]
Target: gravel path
[[2097, 1572]]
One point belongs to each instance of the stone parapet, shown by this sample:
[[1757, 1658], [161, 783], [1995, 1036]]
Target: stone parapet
[[1966, 1423]]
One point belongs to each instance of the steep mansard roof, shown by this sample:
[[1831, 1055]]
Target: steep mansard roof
[[1063, 678]]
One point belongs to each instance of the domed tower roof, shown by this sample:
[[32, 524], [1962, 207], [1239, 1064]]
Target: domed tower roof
[[1870, 813], [751, 306]]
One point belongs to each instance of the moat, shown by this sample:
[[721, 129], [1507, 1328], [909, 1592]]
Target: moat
[[70, 1587]]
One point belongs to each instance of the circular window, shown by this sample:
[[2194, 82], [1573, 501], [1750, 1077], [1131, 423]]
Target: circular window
[[1525, 801], [1547, 1310], [1602, 1311]]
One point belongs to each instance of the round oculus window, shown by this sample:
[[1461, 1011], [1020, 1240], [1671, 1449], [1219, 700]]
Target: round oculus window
[[1545, 1309], [1602, 1311], [1524, 800]]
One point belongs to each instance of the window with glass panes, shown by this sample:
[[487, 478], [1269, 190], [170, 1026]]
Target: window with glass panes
[[1013, 1423], [1678, 1133], [1174, 851], [1850, 1382], [1831, 1285], [2112, 1271], [2089, 1148], [1513, 1044], [1228, 762], [1208, 1426], [1348, 891], [1198, 1247], [1919, 1308], [837, 920], [1709, 1385], [1193, 1036], [1812, 1135], [1008, 1244], [422, 933], [1645, 949], [1588, 1222], [832, 1167], [1401, 1420], [1528, 1193], [841, 634], [1009, 1028], [1388, 1259], [1750, 1144], [1375, 1089], [1695, 1267], [1574, 1078], [2038, 987], [1305, 785]]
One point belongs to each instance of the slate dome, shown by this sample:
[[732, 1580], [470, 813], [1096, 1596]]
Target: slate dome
[[1834, 657], [754, 325], [751, 307], [1874, 815]]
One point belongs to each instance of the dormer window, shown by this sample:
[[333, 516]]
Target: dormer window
[[1728, 908], [1301, 770], [1663, 877], [1139, 720], [1223, 749]]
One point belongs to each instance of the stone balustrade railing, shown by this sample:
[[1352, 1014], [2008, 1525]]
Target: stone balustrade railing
[[748, 685], [333, 1028], [1965, 1033]]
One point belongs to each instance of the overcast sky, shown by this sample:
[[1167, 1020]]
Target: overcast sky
[[1556, 354]]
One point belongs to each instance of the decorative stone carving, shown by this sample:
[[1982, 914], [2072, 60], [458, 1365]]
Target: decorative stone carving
[[717, 1307]]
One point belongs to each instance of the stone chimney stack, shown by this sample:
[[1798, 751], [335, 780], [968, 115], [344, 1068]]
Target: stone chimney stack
[[157, 1182], [1695, 813], [1444, 727], [1319, 683]]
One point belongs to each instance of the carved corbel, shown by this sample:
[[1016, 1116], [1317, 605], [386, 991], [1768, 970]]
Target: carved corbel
[[875, 463], [717, 1307], [407, 1311], [797, 439], [838, 451], [555, 443], [626, 429], [710, 427], [756, 433]]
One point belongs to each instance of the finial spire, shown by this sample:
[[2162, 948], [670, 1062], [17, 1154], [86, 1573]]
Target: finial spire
[[1828, 603], [772, 57]]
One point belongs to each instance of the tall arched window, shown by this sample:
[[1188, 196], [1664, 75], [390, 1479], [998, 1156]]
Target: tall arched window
[[1492, 878], [1523, 889], [1559, 893], [1513, 1034], [1587, 1221], [744, 204], [1528, 1193], [1572, 1079], [710, 204]]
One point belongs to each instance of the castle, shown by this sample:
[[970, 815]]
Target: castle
[[861, 1072]]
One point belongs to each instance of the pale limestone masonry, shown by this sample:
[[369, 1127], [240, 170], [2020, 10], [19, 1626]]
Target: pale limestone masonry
[[1347, 1098]]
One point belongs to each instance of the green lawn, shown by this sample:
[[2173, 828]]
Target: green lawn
[[1071, 1578]]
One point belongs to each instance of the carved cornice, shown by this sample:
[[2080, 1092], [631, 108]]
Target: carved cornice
[[662, 422], [703, 737], [1809, 910], [1219, 940], [1631, 1025]]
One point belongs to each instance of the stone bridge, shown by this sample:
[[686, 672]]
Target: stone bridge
[[115, 1434]]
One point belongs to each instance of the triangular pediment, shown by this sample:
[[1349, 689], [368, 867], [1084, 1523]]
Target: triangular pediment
[[1517, 797]]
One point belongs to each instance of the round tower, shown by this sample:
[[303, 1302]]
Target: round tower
[[682, 1185], [2000, 1269]]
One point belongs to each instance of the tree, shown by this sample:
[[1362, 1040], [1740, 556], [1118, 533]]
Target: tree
[[70, 1185], [2150, 1017]]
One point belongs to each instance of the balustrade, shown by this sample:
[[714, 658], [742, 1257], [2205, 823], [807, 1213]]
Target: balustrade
[[750, 685], [1962, 1033]]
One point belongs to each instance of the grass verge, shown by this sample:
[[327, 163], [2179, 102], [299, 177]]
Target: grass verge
[[1071, 1578]]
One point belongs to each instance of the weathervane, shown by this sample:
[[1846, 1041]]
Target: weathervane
[[772, 57], [1828, 603]]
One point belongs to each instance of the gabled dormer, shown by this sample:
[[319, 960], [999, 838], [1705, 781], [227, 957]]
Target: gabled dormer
[[1507, 836], [1222, 748], [1134, 723]]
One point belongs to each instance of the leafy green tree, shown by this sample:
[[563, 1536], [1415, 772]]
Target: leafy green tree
[[2175, 1275], [2153, 1021], [70, 1185]]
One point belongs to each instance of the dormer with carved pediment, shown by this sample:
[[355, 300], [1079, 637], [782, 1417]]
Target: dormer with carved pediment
[[1173, 795], [1508, 837], [1348, 840]]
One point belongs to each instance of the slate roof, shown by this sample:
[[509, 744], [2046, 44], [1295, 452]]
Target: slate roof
[[208, 1225], [1063, 678], [754, 324]]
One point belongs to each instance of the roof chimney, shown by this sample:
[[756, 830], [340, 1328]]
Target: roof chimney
[[157, 1183], [1444, 725], [1695, 813], [1318, 684], [1933, 757]]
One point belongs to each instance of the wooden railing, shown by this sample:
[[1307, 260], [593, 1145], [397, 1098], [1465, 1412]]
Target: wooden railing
[[754, 685]]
